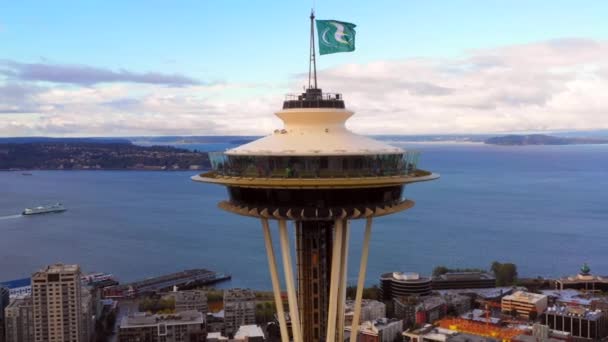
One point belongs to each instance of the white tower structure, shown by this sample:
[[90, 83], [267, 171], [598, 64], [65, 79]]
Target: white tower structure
[[318, 175]]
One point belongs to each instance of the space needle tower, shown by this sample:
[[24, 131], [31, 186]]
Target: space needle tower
[[316, 176]]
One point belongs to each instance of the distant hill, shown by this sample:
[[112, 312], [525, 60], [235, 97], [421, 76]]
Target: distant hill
[[79, 154], [26, 140], [541, 139]]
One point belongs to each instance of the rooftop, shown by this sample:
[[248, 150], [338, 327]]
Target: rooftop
[[248, 331], [464, 276], [575, 311], [405, 277], [523, 296], [141, 319]]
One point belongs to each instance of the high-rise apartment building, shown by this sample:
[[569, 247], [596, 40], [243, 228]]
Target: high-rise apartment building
[[57, 304], [239, 309], [19, 320]]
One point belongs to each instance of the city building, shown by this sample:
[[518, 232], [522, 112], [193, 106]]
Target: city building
[[249, 333], [57, 304], [380, 330], [463, 280], [399, 284], [87, 302], [18, 287], [458, 304], [319, 175], [580, 322], [371, 310], [420, 310], [186, 326], [239, 309], [4, 302], [19, 320], [190, 300], [215, 321], [216, 337], [584, 280], [431, 333], [524, 304]]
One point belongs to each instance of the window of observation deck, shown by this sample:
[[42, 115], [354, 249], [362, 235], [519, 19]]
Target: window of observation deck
[[378, 165]]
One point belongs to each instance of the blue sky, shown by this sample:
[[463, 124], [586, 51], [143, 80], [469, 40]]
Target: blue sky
[[264, 44]]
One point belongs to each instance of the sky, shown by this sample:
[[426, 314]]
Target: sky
[[135, 68]]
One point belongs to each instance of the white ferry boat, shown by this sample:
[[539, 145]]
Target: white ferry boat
[[53, 208]]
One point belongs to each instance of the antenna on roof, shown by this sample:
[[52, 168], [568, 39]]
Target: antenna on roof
[[312, 65]]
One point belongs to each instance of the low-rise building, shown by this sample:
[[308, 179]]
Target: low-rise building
[[580, 322], [420, 310], [584, 280], [463, 280], [249, 333], [371, 310], [399, 284], [239, 309], [19, 320], [524, 304], [381, 330], [216, 337], [430, 333], [186, 326]]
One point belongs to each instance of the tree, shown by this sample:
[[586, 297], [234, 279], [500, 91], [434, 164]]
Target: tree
[[506, 274], [439, 270]]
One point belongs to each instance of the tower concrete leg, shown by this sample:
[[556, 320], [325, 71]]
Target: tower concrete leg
[[289, 282], [276, 285], [354, 331], [342, 289], [335, 281]]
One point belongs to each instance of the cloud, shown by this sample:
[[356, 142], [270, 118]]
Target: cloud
[[544, 86], [87, 75]]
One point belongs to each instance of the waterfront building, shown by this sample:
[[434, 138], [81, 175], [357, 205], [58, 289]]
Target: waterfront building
[[57, 304], [525, 304], [190, 300], [19, 320], [463, 280], [371, 310], [399, 284], [239, 309], [249, 333], [316, 173], [580, 322], [584, 280], [186, 326]]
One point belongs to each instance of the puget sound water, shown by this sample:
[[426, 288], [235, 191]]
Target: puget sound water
[[544, 208]]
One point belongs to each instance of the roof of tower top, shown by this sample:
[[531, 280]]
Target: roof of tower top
[[313, 98], [314, 125]]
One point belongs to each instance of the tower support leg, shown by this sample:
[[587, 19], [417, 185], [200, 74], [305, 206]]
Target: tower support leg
[[289, 282], [276, 285], [342, 289], [335, 280], [354, 331]]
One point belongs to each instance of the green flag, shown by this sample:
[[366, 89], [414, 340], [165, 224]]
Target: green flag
[[335, 36]]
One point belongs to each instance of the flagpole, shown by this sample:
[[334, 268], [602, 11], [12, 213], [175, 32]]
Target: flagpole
[[312, 65]]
